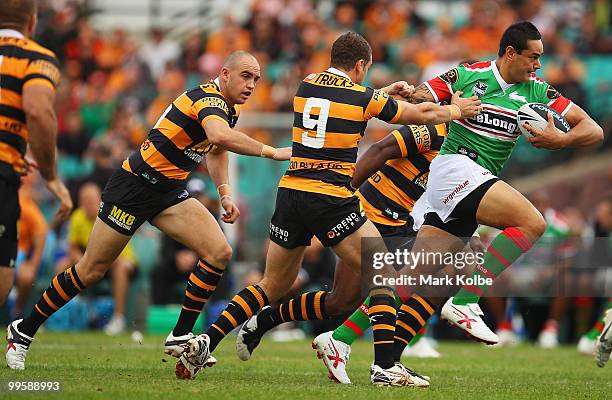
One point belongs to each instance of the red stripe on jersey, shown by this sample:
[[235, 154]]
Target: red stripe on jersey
[[440, 88], [478, 65], [560, 105]]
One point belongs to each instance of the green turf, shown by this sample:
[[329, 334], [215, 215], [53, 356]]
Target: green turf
[[93, 366]]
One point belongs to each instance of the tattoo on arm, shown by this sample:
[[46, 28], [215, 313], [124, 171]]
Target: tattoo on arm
[[421, 94]]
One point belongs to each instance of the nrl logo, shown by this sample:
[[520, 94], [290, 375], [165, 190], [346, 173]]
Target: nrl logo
[[517, 97], [479, 88]]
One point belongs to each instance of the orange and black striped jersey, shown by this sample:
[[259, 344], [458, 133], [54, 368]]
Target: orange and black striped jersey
[[388, 196], [178, 142], [23, 62], [330, 116]]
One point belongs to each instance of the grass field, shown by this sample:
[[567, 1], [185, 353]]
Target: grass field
[[94, 366]]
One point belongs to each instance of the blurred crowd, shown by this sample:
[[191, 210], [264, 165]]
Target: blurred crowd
[[116, 84]]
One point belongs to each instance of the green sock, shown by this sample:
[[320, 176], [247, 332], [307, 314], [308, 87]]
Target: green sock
[[509, 245], [357, 323]]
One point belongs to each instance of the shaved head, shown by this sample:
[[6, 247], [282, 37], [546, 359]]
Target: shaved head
[[16, 14], [239, 74], [237, 56]]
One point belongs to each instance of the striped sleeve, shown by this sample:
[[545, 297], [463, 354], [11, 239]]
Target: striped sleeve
[[443, 86], [415, 139], [42, 71], [210, 107], [382, 106]]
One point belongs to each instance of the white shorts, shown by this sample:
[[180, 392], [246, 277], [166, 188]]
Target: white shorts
[[451, 178]]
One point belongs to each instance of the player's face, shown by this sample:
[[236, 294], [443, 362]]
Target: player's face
[[528, 61], [241, 79]]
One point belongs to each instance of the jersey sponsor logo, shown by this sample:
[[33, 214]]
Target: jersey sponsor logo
[[450, 77], [552, 93], [183, 195], [279, 233], [121, 218], [12, 126], [471, 154], [456, 190], [391, 214], [515, 96], [378, 94], [216, 102], [422, 180], [296, 165], [480, 88], [196, 152], [421, 134], [49, 70], [492, 120], [333, 80]]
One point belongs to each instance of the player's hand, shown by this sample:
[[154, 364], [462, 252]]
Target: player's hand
[[56, 186], [400, 88], [283, 154], [231, 212], [550, 138], [469, 106]]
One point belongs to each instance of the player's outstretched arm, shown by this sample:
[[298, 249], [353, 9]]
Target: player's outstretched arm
[[431, 113], [217, 163], [385, 149], [42, 127], [585, 131], [220, 134], [421, 94]]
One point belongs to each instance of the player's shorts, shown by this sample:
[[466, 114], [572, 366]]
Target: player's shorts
[[455, 187], [301, 215], [397, 237], [9, 217], [128, 201]]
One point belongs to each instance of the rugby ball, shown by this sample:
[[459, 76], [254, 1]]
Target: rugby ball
[[536, 115]]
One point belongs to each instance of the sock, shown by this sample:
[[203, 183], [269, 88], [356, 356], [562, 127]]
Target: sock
[[551, 325], [382, 314], [201, 285], [418, 336], [594, 333], [509, 245], [305, 307], [411, 318], [504, 325], [242, 307], [63, 288], [357, 323]]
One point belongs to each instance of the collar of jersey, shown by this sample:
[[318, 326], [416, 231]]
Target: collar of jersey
[[217, 83], [11, 33], [502, 83], [336, 71]]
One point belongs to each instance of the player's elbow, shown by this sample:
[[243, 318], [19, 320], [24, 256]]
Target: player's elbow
[[598, 134], [218, 137], [37, 114]]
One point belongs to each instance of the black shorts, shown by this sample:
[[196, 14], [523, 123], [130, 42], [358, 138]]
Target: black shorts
[[301, 215], [463, 222], [397, 237], [128, 201], [9, 216]]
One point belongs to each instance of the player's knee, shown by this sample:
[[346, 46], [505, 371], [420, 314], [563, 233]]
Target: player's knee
[[91, 271], [534, 226], [222, 256]]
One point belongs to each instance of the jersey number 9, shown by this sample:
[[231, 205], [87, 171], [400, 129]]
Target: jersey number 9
[[323, 105]]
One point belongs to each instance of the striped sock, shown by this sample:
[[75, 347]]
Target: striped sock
[[411, 318], [305, 307], [357, 323], [242, 307], [63, 288], [509, 245], [201, 285], [382, 314]]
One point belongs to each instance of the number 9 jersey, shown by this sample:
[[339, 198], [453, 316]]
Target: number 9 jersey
[[315, 198]]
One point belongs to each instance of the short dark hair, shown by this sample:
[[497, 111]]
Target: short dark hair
[[517, 36], [16, 13], [348, 49]]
